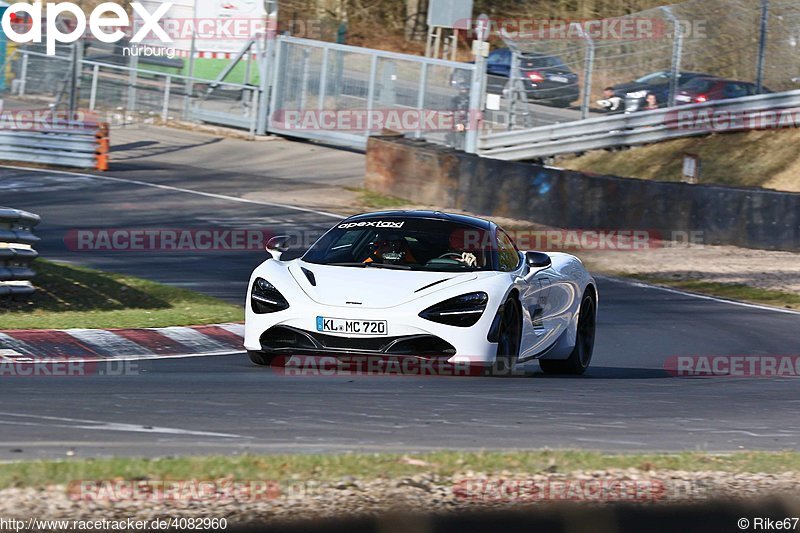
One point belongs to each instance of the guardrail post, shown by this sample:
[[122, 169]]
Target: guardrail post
[[103, 146], [132, 75], [93, 91], [762, 44], [23, 75], [165, 108]]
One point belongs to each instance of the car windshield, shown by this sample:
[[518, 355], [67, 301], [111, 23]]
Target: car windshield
[[404, 244], [655, 78]]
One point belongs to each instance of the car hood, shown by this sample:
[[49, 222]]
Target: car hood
[[373, 288]]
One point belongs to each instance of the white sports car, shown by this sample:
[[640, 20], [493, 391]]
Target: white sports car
[[428, 284]]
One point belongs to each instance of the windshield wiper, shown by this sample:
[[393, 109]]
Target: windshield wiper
[[374, 265]]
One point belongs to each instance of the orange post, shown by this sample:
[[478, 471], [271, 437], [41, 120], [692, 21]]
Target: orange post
[[103, 146]]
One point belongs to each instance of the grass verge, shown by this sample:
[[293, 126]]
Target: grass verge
[[69, 296], [765, 158], [376, 466], [731, 291], [376, 200]]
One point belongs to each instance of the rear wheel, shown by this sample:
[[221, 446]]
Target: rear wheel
[[578, 361], [259, 358], [509, 336]]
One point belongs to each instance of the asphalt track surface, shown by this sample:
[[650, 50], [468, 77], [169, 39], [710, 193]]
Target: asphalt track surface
[[226, 405]]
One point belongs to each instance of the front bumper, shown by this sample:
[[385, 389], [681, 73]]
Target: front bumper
[[287, 333]]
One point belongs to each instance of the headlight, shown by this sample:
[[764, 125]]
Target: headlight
[[265, 298], [637, 94], [462, 311]]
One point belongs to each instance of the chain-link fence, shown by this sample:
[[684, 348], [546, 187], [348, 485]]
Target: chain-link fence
[[122, 90], [689, 52], [347, 93]]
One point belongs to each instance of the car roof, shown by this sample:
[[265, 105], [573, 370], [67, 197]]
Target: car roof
[[429, 214]]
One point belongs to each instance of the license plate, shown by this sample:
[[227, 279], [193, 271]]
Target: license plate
[[683, 98], [351, 326], [559, 79]]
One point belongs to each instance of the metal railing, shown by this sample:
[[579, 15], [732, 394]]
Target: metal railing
[[16, 251], [637, 128]]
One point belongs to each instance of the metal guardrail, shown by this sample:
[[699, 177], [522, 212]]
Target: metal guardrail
[[16, 251], [57, 142], [635, 128]]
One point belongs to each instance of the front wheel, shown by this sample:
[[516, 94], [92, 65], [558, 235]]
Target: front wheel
[[259, 358], [578, 361], [509, 337]]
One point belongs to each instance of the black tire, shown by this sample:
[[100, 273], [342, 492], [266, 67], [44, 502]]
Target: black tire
[[509, 336], [578, 361], [260, 358]]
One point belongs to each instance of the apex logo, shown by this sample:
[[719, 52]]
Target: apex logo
[[99, 23]]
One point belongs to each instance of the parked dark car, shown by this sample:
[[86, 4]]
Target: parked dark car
[[635, 92], [703, 89], [545, 78]]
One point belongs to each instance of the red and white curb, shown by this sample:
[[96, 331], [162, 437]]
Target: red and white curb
[[107, 344]]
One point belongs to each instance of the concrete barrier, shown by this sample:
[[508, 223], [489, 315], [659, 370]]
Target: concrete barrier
[[435, 175]]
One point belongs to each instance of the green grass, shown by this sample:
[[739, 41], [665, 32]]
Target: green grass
[[323, 468], [375, 200], [751, 159], [75, 297], [733, 291]]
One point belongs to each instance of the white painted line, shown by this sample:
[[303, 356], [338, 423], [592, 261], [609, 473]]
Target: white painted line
[[179, 189], [99, 425], [643, 285], [108, 343], [192, 339], [236, 329]]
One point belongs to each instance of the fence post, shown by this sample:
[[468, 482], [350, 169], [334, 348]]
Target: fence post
[[93, 91], [373, 72], [762, 44], [587, 76], [423, 81], [304, 78], [476, 99], [677, 52], [132, 75], [165, 108], [514, 80], [23, 73], [323, 80]]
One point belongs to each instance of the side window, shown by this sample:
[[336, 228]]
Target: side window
[[507, 254]]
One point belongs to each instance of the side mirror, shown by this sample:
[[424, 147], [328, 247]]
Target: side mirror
[[538, 259], [277, 245]]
